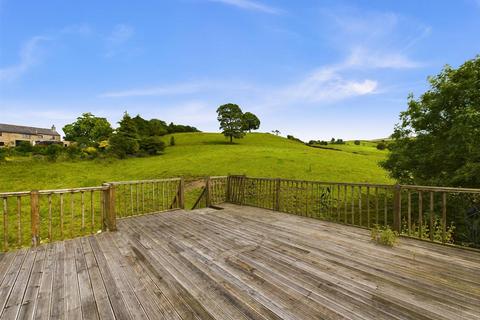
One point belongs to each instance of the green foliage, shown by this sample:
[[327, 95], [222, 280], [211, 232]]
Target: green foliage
[[290, 137], [172, 141], [173, 128], [53, 151], [250, 122], [230, 117], [424, 231], [384, 235], [124, 142], [24, 147], [88, 130], [357, 142], [437, 139], [381, 146], [151, 145], [337, 141]]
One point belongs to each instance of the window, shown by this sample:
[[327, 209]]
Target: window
[[2, 143]]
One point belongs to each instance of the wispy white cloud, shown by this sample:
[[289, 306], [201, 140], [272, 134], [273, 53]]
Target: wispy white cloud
[[366, 58], [31, 52], [323, 86], [375, 39], [251, 5], [120, 35], [29, 56]]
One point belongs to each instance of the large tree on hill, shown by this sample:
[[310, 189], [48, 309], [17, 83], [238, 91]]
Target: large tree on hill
[[437, 141], [250, 122], [230, 117], [88, 130]]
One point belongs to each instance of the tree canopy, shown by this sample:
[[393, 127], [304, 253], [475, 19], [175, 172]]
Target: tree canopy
[[250, 122], [88, 130], [437, 141], [230, 117]]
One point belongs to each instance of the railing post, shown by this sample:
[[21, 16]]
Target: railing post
[[35, 217], [181, 194], [110, 214], [227, 196], [277, 195], [397, 208], [208, 200]]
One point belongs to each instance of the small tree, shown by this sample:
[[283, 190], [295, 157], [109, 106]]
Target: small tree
[[357, 142], [230, 117], [250, 122], [172, 141], [125, 139], [276, 132]]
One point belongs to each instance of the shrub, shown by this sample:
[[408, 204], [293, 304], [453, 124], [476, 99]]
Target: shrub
[[384, 235], [151, 145], [73, 151], [382, 146], [122, 145], [24, 147], [53, 151], [425, 230], [172, 141], [357, 142]]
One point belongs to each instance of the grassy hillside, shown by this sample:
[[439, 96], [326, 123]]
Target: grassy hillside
[[203, 154]]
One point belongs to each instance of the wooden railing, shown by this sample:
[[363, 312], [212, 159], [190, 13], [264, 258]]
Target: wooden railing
[[214, 193], [134, 198], [34, 217], [437, 214]]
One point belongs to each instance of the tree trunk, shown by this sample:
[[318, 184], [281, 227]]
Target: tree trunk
[[231, 139]]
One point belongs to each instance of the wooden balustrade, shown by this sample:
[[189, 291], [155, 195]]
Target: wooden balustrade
[[431, 213], [436, 214], [32, 218]]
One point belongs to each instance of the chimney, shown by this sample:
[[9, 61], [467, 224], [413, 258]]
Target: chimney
[[53, 128]]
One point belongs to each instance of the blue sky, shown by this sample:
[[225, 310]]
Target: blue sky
[[314, 69]]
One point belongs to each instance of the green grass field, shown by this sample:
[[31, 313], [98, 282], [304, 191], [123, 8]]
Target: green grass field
[[202, 154]]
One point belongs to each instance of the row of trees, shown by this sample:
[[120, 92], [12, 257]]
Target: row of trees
[[134, 136], [234, 123]]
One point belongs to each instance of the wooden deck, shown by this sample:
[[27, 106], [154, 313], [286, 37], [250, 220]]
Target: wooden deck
[[238, 263]]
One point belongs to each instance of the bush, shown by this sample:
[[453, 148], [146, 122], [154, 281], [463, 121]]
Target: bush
[[172, 141], [152, 145], [121, 145], [357, 142], [53, 151], [382, 146], [73, 151], [384, 235], [24, 147]]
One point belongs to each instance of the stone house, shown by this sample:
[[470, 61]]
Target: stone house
[[12, 135]]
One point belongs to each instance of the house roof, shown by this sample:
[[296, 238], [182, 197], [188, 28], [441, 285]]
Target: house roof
[[27, 130]]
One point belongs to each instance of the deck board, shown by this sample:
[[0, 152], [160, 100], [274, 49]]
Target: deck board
[[238, 263]]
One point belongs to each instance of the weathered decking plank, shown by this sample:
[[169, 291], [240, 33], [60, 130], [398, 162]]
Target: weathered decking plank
[[238, 263]]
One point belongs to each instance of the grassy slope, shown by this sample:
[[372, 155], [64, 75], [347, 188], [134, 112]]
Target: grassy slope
[[202, 154]]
